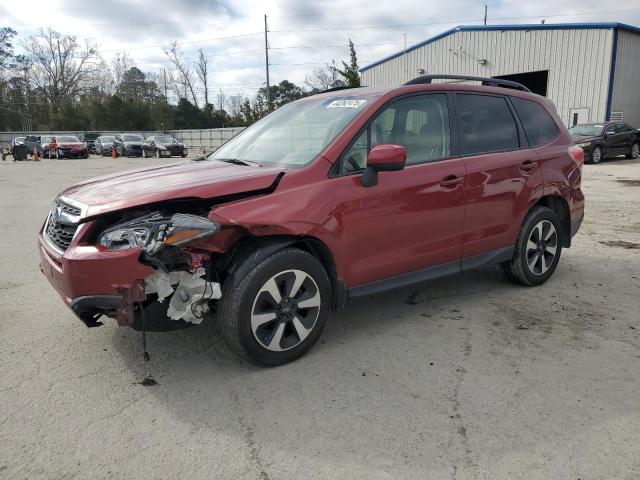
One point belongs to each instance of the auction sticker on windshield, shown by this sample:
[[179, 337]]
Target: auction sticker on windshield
[[346, 103]]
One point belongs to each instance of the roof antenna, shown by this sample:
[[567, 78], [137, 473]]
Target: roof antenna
[[485, 15], [542, 21]]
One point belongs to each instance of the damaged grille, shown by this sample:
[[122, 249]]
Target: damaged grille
[[62, 223]]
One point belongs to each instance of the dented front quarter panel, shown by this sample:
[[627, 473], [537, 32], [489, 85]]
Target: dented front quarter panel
[[300, 206]]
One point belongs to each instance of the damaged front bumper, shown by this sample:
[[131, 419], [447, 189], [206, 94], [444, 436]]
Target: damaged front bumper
[[94, 281]]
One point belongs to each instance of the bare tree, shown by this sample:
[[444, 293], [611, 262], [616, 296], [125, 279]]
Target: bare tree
[[222, 99], [235, 104], [323, 78], [183, 74], [120, 64], [203, 73], [60, 66]]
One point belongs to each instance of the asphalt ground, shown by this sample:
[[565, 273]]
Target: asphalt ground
[[468, 377]]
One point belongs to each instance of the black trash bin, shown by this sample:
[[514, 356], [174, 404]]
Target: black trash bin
[[20, 152]]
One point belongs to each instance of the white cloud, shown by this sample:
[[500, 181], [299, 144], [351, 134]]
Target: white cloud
[[231, 31]]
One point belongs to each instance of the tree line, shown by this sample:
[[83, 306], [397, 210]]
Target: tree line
[[60, 83]]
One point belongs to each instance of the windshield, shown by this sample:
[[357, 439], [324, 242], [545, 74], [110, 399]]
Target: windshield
[[132, 138], [294, 134], [164, 139], [45, 139], [67, 139], [106, 139], [590, 130]]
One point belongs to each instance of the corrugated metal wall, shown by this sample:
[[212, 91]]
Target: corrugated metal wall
[[578, 61], [626, 91]]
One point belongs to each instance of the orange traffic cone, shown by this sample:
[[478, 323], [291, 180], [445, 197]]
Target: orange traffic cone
[[36, 154], [113, 152]]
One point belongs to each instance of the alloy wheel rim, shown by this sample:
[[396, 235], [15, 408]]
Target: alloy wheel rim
[[596, 155], [285, 310], [542, 247], [635, 150]]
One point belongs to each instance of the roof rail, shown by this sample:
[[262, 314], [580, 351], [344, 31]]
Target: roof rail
[[491, 82], [335, 89]]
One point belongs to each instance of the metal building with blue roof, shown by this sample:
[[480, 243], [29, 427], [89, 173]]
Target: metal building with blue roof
[[591, 71]]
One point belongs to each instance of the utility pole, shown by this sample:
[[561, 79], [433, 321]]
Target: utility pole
[[164, 74], [485, 14], [266, 57]]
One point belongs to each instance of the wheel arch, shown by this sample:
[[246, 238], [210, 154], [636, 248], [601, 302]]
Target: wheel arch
[[560, 206], [251, 250]]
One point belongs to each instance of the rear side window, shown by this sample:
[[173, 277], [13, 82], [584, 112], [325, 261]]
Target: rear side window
[[486, 124], [539, 127]]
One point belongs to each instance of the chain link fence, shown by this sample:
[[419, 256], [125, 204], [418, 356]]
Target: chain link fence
[[206, 140]]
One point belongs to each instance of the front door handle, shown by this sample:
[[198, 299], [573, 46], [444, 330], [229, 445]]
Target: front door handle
[[528, 166], [450, 181]]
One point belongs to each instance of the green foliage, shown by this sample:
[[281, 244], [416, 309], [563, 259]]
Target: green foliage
[[126, 98], [350, 70]]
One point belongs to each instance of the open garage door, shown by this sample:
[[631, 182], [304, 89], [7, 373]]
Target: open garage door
[[534, 81]]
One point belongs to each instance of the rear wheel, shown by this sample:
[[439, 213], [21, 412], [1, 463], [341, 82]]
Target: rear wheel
[[635, 150], [277, 311], [538, 248], [596, 155]]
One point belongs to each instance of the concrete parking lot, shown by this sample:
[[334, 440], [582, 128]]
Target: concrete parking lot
[[469, 377]]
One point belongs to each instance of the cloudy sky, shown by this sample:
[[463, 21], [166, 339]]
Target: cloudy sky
[[303, 33]]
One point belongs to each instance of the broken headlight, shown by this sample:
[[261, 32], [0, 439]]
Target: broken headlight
[[152, 232]]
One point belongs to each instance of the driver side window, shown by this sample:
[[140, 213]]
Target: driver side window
[[419, 123]]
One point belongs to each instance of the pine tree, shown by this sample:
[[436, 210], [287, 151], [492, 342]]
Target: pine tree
[[350, 70]]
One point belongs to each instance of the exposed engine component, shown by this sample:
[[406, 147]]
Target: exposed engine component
[[191, 292], [189, 301]]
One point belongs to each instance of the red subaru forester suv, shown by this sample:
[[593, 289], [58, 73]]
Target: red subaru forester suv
[[346, 193]]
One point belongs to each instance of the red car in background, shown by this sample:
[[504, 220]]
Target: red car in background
[[338, 195], [67, 146]]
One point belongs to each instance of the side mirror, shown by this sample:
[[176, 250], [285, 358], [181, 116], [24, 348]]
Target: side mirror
[[383, 158]]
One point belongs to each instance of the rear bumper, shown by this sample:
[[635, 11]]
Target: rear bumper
[[91, 280]]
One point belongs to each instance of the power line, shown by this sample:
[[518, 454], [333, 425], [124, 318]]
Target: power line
[[472, 20]]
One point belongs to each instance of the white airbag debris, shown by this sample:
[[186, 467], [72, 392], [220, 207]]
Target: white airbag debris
[[189, 301], [161, 283]]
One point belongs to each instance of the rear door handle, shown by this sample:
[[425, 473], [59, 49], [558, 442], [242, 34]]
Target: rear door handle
[[450, 181], [528, 166]]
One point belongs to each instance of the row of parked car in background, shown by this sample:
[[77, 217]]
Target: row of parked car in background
[[72, 146]]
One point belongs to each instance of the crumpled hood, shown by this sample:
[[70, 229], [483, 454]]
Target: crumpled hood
[[193, 179]]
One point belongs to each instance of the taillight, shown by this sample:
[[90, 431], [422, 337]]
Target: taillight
[[577, 155]]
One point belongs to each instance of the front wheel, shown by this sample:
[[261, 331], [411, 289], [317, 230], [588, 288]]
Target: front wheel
[[596, 155], [635, 150], [538, 248], [277, 312]]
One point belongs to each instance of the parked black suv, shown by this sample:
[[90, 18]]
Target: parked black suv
[[90, 139], [607, 139]]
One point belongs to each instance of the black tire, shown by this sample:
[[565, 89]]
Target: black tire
[[517, 269], [597, 154], [239, 300], [635, 151]]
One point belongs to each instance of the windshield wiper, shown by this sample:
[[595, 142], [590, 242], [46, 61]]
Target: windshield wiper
[[237, 161]]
